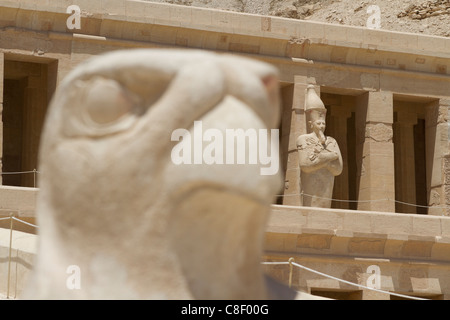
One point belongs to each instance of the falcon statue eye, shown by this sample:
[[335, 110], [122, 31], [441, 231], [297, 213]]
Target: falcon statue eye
[[100, 106], [107, 102]]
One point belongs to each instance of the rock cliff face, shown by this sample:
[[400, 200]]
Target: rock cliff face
[[426, 10], [426, 17]]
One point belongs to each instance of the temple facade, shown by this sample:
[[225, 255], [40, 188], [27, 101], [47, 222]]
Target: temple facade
[[387, 96]]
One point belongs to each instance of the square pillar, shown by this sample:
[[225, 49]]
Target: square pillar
[[437, 142], [375, 151], [298, 127]]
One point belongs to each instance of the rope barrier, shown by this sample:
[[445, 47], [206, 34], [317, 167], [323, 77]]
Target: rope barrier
[[292, 263], [19, 172], [34, 171], [362, 201], [24, 222]]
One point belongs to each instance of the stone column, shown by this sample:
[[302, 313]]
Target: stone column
[[405, 171], [436, 140], [297, 127], [375, 151]]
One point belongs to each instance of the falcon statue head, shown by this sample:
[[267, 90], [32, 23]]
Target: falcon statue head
[[114, 206]]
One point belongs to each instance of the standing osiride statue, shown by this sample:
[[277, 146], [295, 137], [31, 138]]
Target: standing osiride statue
[[320, 159]]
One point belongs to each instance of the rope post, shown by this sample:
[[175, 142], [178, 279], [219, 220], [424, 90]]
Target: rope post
[[34, 177], [291, 268], [10, 252]]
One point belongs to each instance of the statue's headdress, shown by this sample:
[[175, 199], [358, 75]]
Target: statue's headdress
[[314, 107]]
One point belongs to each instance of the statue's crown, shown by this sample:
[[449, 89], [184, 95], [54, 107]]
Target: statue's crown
[[314, 107]]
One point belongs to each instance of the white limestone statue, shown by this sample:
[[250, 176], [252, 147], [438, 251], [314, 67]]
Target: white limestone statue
[[320, 159], [118, 219]]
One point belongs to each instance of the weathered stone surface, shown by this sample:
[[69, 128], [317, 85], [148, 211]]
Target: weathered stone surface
[[379, 132]]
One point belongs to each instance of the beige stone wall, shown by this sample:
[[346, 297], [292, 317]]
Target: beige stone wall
[[412, 251], [21, 203], [377, 85]]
